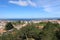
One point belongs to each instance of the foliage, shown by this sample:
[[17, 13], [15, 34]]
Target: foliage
[[30, 32], [58, 34], [49, 31], [9, 26], [42, 23]]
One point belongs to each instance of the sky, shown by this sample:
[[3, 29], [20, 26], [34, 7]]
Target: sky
[[29, 8]]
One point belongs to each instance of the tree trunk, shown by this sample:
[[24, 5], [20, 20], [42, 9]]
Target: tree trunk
[[26, 37]]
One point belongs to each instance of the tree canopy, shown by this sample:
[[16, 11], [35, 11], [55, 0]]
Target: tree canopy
[[9, 26]]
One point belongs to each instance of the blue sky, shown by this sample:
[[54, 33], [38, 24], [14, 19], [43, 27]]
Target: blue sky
[[29, 8]]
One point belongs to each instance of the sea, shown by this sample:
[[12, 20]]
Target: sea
[[29, 19]]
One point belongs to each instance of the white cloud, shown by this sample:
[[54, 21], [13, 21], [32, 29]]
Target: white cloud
[[23, 3], [50, 5], [47, 5], [32, 3]]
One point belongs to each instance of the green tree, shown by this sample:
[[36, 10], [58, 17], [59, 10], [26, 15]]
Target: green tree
[[49, 31], [9, 26], [29, 31]]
